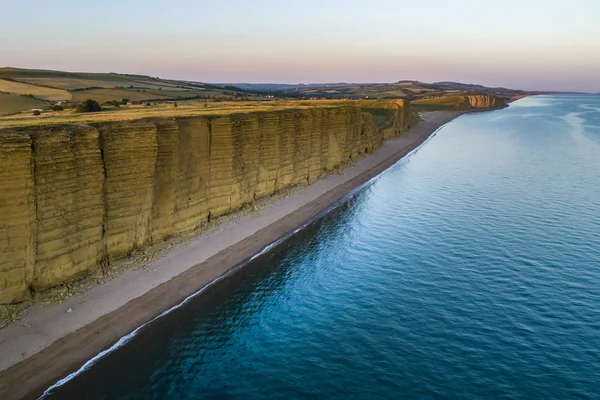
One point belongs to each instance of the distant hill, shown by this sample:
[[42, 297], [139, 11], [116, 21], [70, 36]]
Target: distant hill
[[406, 89], [282, 86]]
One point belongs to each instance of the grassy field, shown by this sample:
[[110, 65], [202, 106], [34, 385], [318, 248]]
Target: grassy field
[[77, 86], [72, 83], [178, 92], [102, 95], [14, 103], [40, 92], [185, 108], [437, 103]]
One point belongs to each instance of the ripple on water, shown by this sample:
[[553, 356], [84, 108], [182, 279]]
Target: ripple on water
[[470, 272]]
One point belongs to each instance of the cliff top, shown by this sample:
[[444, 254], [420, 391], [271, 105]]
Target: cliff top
[[184, 109]]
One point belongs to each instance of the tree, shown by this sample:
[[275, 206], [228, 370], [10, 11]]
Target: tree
[[175, 104], [57, 107], [36, 112], [88, 106], [148, 105]]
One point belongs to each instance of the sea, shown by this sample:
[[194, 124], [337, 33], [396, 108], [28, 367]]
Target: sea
[[468, 270]]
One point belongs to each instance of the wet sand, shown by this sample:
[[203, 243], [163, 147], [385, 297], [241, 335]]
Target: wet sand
[[53, 341]]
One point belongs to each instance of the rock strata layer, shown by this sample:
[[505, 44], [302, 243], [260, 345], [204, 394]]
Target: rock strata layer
[[480, 101], [75, 198]]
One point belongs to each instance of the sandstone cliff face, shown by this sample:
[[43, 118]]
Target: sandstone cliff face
[[480, 101], [404, 118], [18, 221], [75, 198]]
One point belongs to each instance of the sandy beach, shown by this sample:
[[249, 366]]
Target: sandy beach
[[54, 341]]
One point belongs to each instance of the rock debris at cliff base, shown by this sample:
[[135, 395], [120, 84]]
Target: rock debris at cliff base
[[77, 197]]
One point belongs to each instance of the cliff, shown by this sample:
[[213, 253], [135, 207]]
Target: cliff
[[480, 101], [76, 198], [461, 102]]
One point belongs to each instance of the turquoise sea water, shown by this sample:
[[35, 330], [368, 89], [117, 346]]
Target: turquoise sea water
[[469, 271]]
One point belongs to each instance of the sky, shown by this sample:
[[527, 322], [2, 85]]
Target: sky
[[524, 44]]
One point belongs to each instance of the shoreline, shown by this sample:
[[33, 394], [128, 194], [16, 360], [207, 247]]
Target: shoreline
[[54, 341]]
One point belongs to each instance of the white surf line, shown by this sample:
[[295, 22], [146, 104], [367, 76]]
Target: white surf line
[[578, 128], [127, 338], [589, 107]]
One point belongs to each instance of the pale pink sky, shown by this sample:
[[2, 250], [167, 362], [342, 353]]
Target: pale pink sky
[[545, 45]]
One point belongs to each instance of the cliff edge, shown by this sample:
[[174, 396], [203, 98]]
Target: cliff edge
[[75, 198], [462, 102]]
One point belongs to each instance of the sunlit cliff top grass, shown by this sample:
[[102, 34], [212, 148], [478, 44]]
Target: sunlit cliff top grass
[[183, 109]]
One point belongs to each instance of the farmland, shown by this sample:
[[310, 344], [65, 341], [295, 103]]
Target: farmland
[[45, 87], [102, 95], [184, 109], [40, 92], [14, 103]]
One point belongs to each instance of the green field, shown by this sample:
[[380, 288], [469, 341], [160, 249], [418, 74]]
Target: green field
[[98, 82], [436, 103], [72, 83], [14, 103], [40, 92], [103, 87], [184, 109], [103, 95]]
